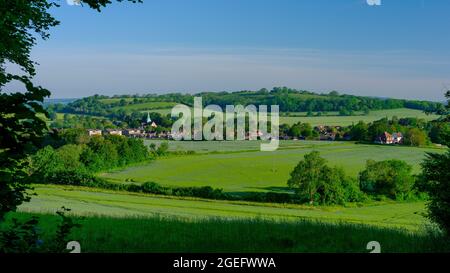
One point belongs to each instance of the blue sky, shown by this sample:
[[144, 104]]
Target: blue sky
[[399, 49]]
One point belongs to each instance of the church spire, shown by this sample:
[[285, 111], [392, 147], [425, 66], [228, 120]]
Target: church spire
[[148, 118]]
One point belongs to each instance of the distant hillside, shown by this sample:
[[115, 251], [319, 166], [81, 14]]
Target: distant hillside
[[57, 101], [289, 100]]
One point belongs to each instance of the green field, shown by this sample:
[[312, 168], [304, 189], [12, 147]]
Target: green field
[[114, 100], [349, 120], [331, 118], [60, 116], [249, 171], [231, 146], [132, 222], [162, 111], [93, 202], [146, 106], [218, 235]]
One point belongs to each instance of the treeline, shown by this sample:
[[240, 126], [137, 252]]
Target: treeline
[[415, 132], [73, 157], [79, 121], [119, 118], [289, 100], [317, 183], [292, 100]]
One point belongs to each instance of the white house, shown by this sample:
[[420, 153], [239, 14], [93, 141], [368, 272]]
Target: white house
[[94, 132]]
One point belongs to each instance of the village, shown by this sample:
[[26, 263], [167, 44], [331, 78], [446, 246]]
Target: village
[[148, 130]]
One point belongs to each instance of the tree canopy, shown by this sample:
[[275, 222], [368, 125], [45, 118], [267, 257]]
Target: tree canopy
[[22, 22]]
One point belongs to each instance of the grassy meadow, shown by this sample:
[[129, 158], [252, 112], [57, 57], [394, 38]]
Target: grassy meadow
[[243, 168], [147, 106], [95, 202], [333, 118], [139, 234], [126, 222]]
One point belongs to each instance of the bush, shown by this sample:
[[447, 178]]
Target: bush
[[71, 177], [436, 182], [352, 192], [152, 187], [134, 188], [389, 178], [273, 197]]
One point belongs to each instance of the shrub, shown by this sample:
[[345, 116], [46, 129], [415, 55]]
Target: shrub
[[436, 177], [134, 188], [273, 197], [152, 187], [71, 177], [389, 178]]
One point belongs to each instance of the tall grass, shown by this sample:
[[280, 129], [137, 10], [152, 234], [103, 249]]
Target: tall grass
[[170, 234]]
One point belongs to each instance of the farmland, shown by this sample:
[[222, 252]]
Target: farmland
[[141, 234], [243, 168], [93, 202], [335, 120], [146, 106], [230, 226]]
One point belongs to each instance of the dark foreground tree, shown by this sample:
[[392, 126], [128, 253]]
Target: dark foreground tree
[[21, 23], [436, 182], [436, 174]]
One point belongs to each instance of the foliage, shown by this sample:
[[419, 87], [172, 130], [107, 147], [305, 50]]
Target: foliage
[[162, 149], [21, 24], [391, 178], [73, 136], [152, 187], [436, 182], [21, 237], [436, 174], [315, 181], [75, 164], [359, 132], [416, 137], [307, 176], [63, 231], [80, 121], [440, 132], [25, 236], [303, 130]]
